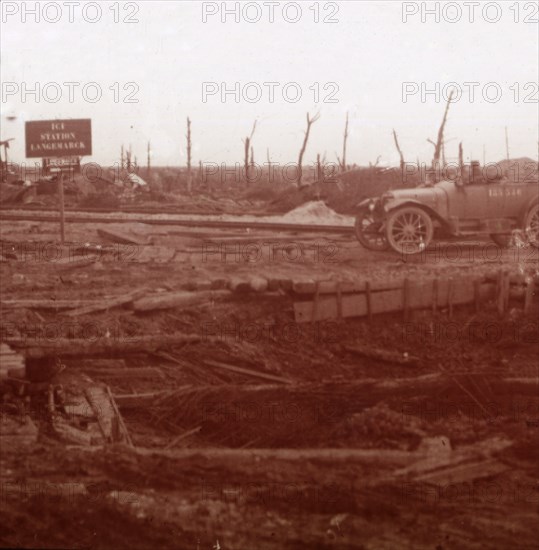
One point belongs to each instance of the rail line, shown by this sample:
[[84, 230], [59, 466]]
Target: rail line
[[205, 223]]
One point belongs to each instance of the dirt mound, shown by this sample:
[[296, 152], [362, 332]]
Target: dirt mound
[[520, 170], [316, 212]]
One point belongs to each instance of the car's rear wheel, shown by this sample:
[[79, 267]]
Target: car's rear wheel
[[367, 230], [409, 230], [503, 241], [531, 226]]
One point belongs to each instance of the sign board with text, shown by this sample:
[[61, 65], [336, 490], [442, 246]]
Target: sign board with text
[[58, 138]]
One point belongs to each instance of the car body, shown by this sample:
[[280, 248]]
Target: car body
[[448, 209]]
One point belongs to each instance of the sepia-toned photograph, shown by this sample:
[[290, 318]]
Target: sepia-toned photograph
[[269, 275]]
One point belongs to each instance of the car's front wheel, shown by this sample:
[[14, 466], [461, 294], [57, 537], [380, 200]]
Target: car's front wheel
[[531, 226], [409, 230], [367, 230]]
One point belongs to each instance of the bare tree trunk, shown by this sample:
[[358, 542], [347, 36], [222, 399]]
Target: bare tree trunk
[[122, 162], [269, 164], [461, 162], [398, 149], [247, 148], [148, 162], [443, 153], [189, 175], [310, 122], [343, 163], [199, 177], [319, 176], [439, 141]]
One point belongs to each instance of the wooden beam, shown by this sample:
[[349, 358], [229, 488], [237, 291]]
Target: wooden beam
[[82, 347], [169, 300], [248, 372]]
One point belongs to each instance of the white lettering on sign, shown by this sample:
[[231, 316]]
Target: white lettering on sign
[[504, 192], [57, 146]]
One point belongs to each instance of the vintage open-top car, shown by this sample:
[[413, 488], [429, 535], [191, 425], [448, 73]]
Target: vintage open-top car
[[408, 219]]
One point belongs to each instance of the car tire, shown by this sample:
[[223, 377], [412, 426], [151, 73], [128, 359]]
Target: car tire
[[531, 226], [409, 230], [503, 241], [372, 240]]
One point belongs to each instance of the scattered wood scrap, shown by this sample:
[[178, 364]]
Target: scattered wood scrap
[[183, 436], [384, 355]]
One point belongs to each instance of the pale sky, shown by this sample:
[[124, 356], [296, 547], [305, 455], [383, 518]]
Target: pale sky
[[369, 53]]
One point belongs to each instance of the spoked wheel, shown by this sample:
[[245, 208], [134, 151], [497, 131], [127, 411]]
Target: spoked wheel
[[531, 226], [409, 230], [503, 241], [367, 231]]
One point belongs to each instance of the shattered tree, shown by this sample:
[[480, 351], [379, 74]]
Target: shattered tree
[[310, 122]]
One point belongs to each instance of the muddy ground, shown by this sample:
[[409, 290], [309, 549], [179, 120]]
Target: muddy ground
[[338, 451]]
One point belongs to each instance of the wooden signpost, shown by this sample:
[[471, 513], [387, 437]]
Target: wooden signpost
[[59, 139]]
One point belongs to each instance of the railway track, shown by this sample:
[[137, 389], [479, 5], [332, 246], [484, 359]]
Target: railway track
[[161, 209], [74, 217]]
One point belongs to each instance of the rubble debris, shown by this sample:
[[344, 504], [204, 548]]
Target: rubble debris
[[17, 431], [12, 364]]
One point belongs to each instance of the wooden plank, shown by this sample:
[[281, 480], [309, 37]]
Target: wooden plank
[[127, 372], [72, 263], [103, 410], [169, 300], [463, 473], [383, 355], [137, 400], [353, 305], [420, 297], [347, 287], [47, 304], [123, 428], [183, 436], [528, 297], [123, 237], [80, 347], [110, 303], [248, 372]]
